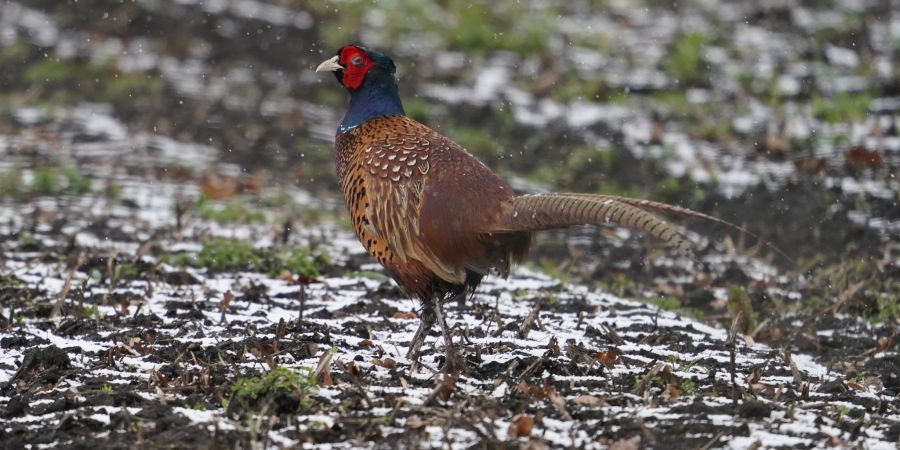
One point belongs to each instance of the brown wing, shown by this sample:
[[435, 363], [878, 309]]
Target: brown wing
[[396, 167], [463, 199], [431, 202]]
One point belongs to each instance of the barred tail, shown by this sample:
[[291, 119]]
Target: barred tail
[[548, 211]]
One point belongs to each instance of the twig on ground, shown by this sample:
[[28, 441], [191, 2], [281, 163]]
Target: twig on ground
[[355, 381], [302, 303], [443, 389], [531, 367], [712, 441], [529, 320], [74, 262], [731, 344]]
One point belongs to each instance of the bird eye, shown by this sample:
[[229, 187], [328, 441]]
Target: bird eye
[[357, 60]]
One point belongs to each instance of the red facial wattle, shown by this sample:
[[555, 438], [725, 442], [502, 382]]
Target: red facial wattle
[[356, 63]]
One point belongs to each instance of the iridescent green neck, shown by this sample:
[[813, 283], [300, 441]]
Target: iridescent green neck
[[377, 97]]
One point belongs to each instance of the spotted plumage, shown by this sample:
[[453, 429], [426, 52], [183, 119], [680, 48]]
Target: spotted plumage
[[415, 200], [434, 216]]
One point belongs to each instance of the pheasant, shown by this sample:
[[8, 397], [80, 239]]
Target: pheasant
[[436, 217]]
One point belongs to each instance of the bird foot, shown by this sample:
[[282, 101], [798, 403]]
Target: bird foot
[[415, 346], [432, 313], [452, 360]]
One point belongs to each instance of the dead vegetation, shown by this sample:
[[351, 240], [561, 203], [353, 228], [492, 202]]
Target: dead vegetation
[[176, 270]]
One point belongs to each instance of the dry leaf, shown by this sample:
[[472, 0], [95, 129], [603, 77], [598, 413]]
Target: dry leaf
[[553, 347], [834, 441], [588, 400], [631, 443], [226, 300], [217, 187], [446, 388], [254, 182], [859, 158], [608, 358], [534, 392], [672, 392], [416, 423], [323, 370], [533, 444], [286, 275], [521, 426], [404, 315], [560, 404], [352, 369], [388, 363], [813, 165]]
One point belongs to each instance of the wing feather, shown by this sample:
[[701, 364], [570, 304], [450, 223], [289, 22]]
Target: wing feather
[[398, 196]]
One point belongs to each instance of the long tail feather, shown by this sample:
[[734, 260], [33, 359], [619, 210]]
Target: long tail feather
[[545, 211], [665, 208], [548, 211]]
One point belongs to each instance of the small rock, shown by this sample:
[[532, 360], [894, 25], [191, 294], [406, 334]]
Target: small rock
[[16, 406], [832, 387], [753, 409]]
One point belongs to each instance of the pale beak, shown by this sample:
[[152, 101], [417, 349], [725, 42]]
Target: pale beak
[[329, 65]]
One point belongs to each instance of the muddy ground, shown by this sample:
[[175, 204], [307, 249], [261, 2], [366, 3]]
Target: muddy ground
[[177, 270]]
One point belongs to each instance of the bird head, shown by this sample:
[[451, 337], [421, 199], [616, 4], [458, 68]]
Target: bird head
[[353, 65]]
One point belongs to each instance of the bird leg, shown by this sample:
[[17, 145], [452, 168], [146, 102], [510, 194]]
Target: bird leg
[[425, 325], [451, 358]]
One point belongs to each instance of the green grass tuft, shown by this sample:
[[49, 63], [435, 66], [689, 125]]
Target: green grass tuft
[[278, 382], [68, 81], [739, 302], [298, 261], [10, 182], [888, 307], [234, 211], [481, 28], [232, 254], [90, 311], [685, 62], [674, 304], [45, 181], [9, 281], [76, 183], [843, 107], [228, 254]]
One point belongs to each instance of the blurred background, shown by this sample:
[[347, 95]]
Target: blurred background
[[780, 116]]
